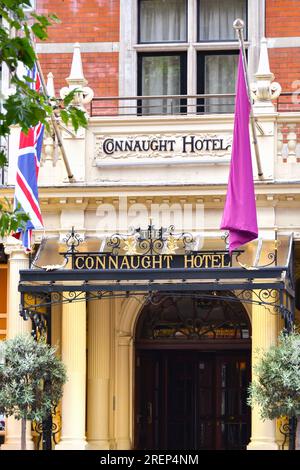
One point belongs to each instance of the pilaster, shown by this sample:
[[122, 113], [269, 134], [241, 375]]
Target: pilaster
[[124, 359], [98, 401], [74, 357], [264, 335]]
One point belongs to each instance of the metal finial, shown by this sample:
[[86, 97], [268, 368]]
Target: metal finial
[[238, 24]]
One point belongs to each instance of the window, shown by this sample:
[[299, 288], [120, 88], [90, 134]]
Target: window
[[162, 21], [187, 318], [162, 74], [186, 47], [217, 73], [215, 19]]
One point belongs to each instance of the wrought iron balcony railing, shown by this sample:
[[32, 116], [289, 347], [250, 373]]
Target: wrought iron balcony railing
[[161, 105]]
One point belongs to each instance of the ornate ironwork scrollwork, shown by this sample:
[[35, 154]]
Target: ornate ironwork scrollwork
[[245, 295], [72, 241], [172, 317], [288, 428], [225, 238], [288, 318], [114, 243], [151, 241], [264, 295], [53, 426], [34, 307]]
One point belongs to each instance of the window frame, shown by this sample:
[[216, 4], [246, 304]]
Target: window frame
[[216, 41], [130, 47], [200, 57], [201, 76], [183, 75], [160, 42]]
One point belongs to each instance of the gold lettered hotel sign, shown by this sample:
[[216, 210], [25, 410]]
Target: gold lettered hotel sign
[[160, 147], [197, 260]]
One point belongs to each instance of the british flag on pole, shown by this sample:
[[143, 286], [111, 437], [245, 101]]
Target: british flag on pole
[[26, 188]]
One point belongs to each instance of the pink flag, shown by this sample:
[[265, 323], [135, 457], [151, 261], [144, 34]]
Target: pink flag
[[239, 215]]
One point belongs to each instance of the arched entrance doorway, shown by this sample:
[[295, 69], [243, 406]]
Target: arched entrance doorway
[[192, 373]]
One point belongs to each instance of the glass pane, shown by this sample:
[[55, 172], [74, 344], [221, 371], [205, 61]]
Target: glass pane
[[161, 76], [162, 20], [220, 72], [186, 318], [234, 436], [216, 18]]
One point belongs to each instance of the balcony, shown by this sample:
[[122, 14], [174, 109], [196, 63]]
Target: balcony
[[162, 105], [172, 105], [169, 140], [162, 138]]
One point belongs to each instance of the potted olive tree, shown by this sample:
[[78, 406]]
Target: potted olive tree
[[276, 388], [31, 380]]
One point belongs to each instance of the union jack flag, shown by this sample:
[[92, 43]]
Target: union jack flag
[[26, 188]]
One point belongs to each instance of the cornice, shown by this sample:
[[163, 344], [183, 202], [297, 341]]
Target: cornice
[[261, 187], [85, 197]]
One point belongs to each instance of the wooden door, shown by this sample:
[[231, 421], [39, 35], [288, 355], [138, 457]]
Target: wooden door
[[233, 415], [148, 402], [180, 393], [192, 400]]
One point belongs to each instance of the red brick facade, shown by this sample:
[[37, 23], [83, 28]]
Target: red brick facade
[[282, 18], [100, 69], [285, 64], [99, 21], [84, 21], [283, 21]]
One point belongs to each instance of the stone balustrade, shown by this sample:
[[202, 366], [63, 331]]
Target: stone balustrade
[[288, 141]]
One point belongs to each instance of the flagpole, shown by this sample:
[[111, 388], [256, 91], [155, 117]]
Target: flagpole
[[54, 123], [239, 25]]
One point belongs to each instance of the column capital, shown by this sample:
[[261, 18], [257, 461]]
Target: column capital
[[14, 249], [124, 339]]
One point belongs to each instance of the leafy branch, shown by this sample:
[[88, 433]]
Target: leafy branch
[[32, 379], [26, 107], [11, 219], [276, 388]]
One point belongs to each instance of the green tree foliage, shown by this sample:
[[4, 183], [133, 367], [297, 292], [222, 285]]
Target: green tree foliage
[[277, 386], [31, 379], [18, 29], [10, 218]]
